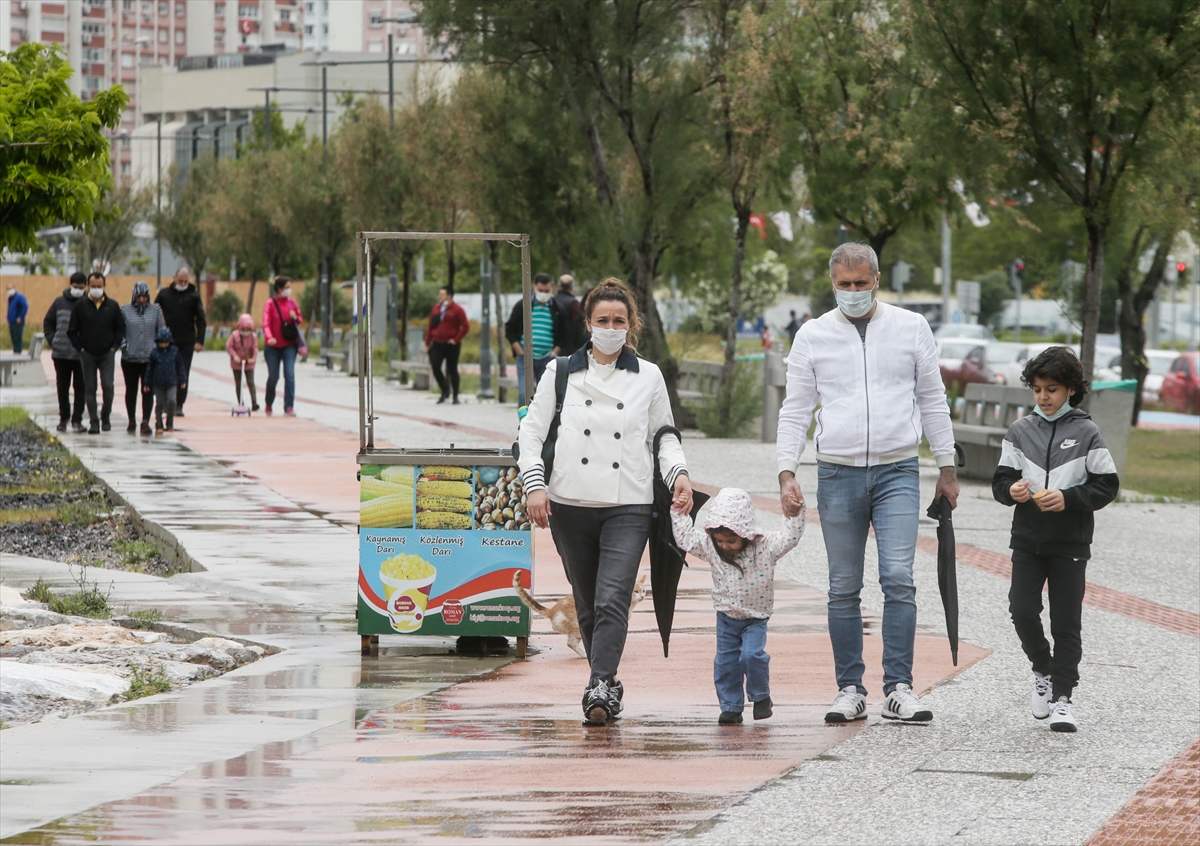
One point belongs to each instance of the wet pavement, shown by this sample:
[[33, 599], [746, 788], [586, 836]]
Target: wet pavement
[[320, 745]]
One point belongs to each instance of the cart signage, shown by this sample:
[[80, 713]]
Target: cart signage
[[439, 549]]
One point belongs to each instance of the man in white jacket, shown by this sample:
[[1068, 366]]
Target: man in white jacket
[[874, 370]]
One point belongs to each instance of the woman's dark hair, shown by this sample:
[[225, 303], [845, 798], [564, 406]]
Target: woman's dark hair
[[1059, 364], [281, 282], [614, 290], [726, 557]]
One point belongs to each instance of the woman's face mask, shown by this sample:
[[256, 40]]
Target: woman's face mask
[[286, 293]]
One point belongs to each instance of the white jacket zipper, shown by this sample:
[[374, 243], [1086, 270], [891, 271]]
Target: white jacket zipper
[[867, 397]]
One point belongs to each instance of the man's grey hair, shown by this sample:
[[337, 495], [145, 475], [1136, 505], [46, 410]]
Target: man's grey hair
[[183, 268], [854, 255]]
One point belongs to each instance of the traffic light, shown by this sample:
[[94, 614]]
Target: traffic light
[[1016, 275], [1181, 269]]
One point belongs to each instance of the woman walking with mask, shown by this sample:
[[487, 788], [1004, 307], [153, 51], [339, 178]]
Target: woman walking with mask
[[281, 329], [143, 319], [597, 498]]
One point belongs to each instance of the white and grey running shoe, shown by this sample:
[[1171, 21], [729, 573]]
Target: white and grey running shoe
[[902, 704], [1043, 693], [1061, 718], [849, 705]]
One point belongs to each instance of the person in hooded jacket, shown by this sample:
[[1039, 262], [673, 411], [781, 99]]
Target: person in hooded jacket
[[242, 347], [165, 375], [68, 371], [183, 309], [96, 330], [143, 319], [1055, 469]]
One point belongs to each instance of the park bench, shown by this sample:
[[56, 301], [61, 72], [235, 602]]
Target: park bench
[[699, 379], [21, 370], [417, 368], [988, 411]]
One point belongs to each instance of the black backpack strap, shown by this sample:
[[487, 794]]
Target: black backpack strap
[[562, 373]]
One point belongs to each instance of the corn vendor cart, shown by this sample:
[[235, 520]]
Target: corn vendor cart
[[444, 533]]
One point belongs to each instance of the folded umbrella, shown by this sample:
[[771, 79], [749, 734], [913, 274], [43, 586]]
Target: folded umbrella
[[666, 558], [947, 569]]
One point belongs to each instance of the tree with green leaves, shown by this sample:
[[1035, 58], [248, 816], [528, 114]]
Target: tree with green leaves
[[1070, 94], [617, 68], [181, 221], [54, 157], [752, 148], [863, 115]]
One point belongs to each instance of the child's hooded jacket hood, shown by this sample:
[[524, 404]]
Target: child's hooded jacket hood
[[164, 334], [733, 509]]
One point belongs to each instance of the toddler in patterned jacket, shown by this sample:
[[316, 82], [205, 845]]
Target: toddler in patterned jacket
[[743, 559]]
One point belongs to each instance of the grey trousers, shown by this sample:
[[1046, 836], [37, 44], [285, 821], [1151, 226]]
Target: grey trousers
[[164, 398], [602, 548], [98, 368]]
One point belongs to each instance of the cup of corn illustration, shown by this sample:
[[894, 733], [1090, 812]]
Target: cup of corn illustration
[[407, 580]]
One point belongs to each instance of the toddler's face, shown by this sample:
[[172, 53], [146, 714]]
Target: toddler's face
[[162, 345], [728, 542]]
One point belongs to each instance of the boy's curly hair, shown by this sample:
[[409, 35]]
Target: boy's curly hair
[[1061, 365]]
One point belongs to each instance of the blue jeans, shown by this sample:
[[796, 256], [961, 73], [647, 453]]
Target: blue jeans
[[287, 355], [852, 500], [741, 655], [539, 367]]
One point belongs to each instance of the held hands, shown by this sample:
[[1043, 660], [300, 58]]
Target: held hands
[[1019, 491], [682, 501], [790, 497], [538, 505]]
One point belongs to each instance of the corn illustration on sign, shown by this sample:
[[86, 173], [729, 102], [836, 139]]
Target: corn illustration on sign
[[439, 545]]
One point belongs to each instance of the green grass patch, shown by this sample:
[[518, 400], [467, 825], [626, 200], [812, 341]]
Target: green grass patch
[[27, 515], [147, 683], [40, 592], [82, 513], [1164, 464], [146, 619], [12, 416], [135, 553], [86, 601]]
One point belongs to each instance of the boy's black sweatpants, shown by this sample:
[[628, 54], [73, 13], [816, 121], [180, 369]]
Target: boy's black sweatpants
[[1066, 578]]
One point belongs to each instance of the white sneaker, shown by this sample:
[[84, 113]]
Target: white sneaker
[[1043, 694], [1061, 718], [848, 705], [902, 704]]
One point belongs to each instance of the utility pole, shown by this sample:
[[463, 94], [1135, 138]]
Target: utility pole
[[945, 268], [1192, 319], [397, 347], [326, 284], [158, 203]]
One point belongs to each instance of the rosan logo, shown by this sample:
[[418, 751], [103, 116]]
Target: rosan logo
[[1068, 443]]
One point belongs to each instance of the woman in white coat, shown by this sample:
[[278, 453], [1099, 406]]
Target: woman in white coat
[[598, 498]]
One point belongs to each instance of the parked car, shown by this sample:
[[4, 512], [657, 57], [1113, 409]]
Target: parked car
[[964, 330], [1007, 361], [963, 361], [1180, 389]]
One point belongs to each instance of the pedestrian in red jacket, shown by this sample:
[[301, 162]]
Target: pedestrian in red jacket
[[448, 325]]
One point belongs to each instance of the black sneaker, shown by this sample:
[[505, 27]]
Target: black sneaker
[[729, 718], [146, 430], [131, 428], [442, 400], [601, 702], [105, 425], [94, 429], [763, 709], [61, 427], [77, 426], [179, 413]]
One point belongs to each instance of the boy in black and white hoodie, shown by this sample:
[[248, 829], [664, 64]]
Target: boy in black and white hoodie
[[1055, 469]]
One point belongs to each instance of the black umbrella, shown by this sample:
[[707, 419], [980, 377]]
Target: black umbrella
[[666, 558], [947, 569]]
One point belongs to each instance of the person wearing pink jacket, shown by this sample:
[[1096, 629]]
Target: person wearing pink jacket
[[242, 347], [281, 329]]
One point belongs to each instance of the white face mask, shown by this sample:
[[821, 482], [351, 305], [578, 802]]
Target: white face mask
[[76, 292], [855, 303], [609, 341], [287, 293], [543, 297], [181, 286], [11, 294], [95, 293]]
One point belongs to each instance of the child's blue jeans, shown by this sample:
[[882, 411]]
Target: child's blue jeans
[[741, 658]]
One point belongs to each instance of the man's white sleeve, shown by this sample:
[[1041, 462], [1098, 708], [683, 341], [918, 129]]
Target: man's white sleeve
[[931, 399], [798, 405]]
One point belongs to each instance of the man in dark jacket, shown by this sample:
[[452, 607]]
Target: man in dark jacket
[[572, 311], [184, 312], [18, 308], [96, 330], [67, 367], [549, 331]]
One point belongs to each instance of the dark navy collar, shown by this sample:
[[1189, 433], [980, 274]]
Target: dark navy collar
[[627, 360]]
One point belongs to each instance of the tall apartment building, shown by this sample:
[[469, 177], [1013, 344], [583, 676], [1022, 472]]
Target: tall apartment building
[[109, 41]]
